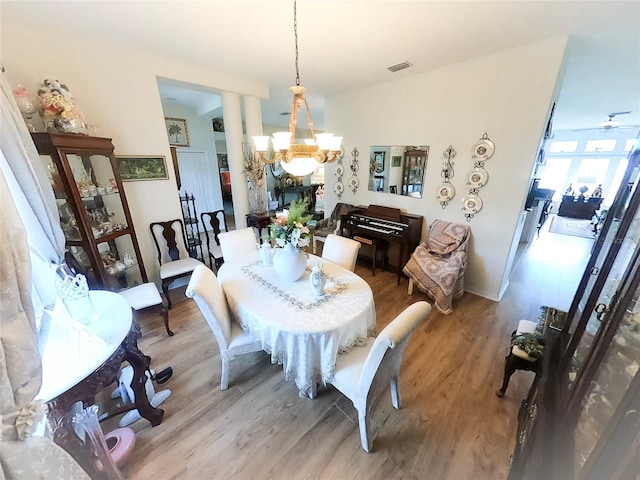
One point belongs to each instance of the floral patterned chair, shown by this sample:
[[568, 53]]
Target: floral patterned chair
[[437, 265]]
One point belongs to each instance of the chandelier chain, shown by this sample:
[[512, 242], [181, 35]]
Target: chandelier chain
[[295, 33]]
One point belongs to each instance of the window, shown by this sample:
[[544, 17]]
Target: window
[[591, 173], [554, 176], [629, 145], [563, 147], [617, 180], [604, 145]]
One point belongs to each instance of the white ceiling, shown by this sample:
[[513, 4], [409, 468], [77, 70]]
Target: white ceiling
[[349, 44]]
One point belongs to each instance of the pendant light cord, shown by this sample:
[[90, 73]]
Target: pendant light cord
[[295, 33]]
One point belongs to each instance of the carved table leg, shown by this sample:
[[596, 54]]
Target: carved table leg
[[140, 364]]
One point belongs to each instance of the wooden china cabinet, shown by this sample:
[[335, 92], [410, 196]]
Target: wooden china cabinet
[[581, 418], [100, 240]]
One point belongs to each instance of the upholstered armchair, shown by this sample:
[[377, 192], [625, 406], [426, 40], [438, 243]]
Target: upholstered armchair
[[330, 224], [437, 265]]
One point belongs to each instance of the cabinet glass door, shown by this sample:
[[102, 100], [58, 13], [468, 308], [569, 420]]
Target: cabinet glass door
[[607, 399], [68, 220], [599, 287]]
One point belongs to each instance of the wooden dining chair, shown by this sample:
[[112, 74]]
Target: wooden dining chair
[[238, 244], [206, 291], [363, 374], [169, 239], [341, 250], [214, 223]]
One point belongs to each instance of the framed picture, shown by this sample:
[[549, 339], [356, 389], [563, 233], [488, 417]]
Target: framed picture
[[378, 158], [223, 161], [177, 131], [396, 160], [142, 167]]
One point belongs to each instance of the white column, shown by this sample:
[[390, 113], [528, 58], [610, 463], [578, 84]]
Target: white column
[[252, 116], [253, 127], [232, 117]]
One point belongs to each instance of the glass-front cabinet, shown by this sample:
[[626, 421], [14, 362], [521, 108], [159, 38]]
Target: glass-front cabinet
[[100, 240], [587, 424]]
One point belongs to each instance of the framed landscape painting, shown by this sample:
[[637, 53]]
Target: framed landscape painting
[[142, 167], [177, 131]]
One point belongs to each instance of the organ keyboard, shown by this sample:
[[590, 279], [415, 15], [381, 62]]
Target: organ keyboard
[[385, 223]]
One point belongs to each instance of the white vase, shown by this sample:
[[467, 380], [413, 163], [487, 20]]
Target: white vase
[[289, 263]]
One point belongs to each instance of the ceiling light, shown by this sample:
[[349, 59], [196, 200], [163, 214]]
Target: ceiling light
[[611, 123], [298, 159]]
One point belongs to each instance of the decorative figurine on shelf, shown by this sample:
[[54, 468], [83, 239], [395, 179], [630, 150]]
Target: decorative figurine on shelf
[[583, 190], [59, 108], [597, 192], [28, 109], [569, 190]]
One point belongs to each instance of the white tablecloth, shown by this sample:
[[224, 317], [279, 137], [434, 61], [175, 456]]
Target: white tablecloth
[[301, 332]]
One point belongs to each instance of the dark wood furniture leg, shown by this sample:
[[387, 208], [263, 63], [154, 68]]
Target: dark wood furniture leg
[[513, 363], [165, 290]]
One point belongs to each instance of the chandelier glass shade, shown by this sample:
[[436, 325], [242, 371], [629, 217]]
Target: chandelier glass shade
[[298, 159]]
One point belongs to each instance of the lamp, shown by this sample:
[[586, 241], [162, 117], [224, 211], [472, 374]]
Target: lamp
[[298, 159]]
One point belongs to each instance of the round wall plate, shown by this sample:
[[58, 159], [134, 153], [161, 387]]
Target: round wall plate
[[445, 192], [471, 204], [354, 182], [338, 188], [483, 148], [478, 177], [339, 170]]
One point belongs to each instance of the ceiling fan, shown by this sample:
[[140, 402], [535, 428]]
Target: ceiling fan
[[608, 124]]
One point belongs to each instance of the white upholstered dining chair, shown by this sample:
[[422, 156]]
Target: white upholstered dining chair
[[208, 294], [363, 374], [237, 244], [341, 250]]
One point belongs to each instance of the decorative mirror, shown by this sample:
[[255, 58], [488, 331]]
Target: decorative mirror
[[398, 169]]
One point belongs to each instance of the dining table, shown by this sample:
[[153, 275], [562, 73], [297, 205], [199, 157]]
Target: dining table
[[302, 332]]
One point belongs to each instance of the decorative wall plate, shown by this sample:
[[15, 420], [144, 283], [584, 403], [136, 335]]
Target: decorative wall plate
[[471, 204], [354, 182], [338, 188], [445, 192], [483, 149], [477, 178], [339, 170]]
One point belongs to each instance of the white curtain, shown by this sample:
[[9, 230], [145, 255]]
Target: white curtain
[[29, 228], [34, 198]]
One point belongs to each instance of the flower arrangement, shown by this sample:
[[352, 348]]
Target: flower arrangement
[[291, 227], [253, 167]]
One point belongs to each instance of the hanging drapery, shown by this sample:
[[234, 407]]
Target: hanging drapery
[[23, 456], [30, 188]]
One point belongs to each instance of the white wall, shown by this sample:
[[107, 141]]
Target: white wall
[[508, 95], [117, 91]]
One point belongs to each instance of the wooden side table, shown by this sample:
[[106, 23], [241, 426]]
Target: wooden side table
[[259, 221]]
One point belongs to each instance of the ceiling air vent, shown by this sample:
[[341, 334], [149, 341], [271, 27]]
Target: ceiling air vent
[[399, 66]]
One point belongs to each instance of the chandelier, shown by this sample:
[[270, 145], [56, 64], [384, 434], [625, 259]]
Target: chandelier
[[298, 159]]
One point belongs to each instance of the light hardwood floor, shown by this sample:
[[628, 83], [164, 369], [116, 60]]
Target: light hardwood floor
[[451, 425]]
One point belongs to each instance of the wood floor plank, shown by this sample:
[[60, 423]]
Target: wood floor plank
[[451, 425]]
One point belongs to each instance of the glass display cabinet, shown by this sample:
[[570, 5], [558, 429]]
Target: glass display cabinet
[[100, 240], [581, 419], [415, 162]]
